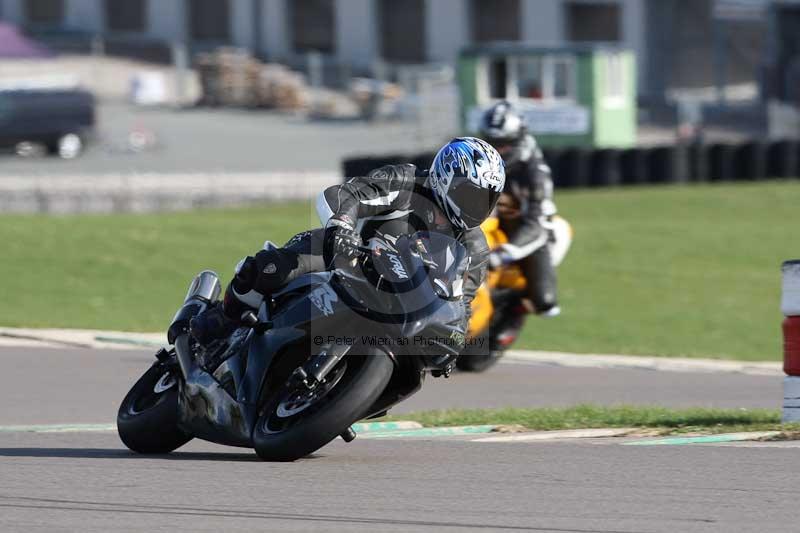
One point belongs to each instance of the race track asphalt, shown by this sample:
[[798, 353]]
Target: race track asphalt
[[90, 482], [87, 482], [54, 385]]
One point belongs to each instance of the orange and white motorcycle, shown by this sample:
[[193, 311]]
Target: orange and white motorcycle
[[489, 312]]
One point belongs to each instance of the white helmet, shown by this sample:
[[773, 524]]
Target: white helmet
[[467, 177], [503, 127], [502, 123]]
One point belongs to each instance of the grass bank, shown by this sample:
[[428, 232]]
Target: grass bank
[[664, 420], [673, 271]]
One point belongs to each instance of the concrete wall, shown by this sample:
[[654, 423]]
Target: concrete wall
[[356, 33], [447, 29], [634, 16], [11, 10], [276, 38], [166, 20], [543, 22], [86, 15], [242, 23]]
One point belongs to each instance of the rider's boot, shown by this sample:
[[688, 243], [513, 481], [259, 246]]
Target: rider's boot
[[212, 324], [221, 318], [511, 326]]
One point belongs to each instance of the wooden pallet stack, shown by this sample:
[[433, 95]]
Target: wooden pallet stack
[[282, 88], [232, 77]]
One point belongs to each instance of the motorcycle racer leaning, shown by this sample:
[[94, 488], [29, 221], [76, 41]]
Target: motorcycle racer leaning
[[454, 197], [527, 207]]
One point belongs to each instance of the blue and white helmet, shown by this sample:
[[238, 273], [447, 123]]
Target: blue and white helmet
[[467, 177]]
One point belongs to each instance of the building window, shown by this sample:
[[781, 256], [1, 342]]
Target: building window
[[401, 25], [545, 80], [313, 25], [210, 20], [44, 11], [530, 73], [498, 78], [563, 74], [125, 15], [593, 22], [495, 20]]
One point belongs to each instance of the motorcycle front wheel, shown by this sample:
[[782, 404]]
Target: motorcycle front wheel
[[476, 357], [298, 421], [477, 363], [147, 420]]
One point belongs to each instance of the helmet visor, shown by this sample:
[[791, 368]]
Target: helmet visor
[[475, 203]]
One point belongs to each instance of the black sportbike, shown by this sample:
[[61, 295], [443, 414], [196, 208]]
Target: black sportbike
[[329, 349]]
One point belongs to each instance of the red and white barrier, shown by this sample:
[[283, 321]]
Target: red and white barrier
[[790, 306]]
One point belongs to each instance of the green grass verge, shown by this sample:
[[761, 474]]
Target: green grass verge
[[592, 416], [673, 271], [691, 271], [125, 272]]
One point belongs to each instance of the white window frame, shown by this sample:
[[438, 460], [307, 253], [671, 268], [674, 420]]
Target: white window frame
[[482, 78], [548, 63], [615, 86], [572, 78]]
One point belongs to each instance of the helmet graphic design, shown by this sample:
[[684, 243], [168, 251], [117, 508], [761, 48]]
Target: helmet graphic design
[[467, 177]]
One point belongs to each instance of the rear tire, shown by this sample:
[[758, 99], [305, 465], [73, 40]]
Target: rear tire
[[364, 379], [147, 420]]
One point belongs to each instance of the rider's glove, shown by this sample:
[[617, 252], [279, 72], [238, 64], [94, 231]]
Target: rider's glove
[[499, 258], [341, 238]]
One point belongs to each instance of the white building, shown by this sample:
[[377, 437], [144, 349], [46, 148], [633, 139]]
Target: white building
[[354, 32], [672, 39]]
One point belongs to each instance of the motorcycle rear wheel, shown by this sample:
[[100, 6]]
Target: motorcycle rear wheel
[[287, 430], [147, 420]]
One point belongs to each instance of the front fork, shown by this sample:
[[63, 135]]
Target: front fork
[[314, 371]]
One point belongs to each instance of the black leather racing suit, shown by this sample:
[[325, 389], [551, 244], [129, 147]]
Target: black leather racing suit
[[529, 180], [390, 201]]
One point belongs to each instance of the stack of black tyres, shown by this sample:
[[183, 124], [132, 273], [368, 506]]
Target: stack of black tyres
[[605, 168], [783, 159], [664, 165], [633, 166], [720, 162], [698, 162], [575, 167], [750, 161]]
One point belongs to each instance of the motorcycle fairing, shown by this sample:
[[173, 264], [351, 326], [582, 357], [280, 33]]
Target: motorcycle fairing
[[222, 407]]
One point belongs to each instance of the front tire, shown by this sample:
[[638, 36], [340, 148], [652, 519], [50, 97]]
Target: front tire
[[477, 363], [476, 358], [284, 434], [147, 420]]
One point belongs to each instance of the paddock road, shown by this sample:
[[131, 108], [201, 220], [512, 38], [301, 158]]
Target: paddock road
[[84, 481]]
